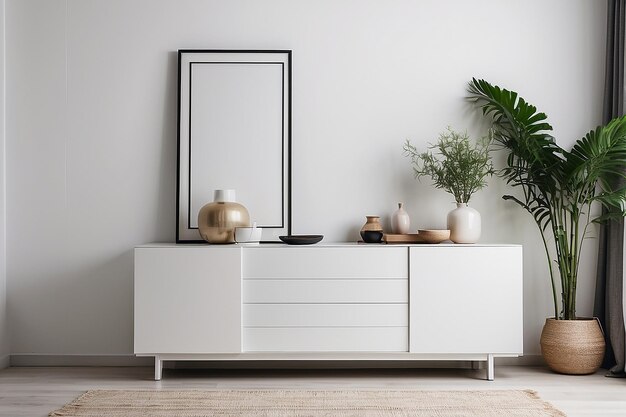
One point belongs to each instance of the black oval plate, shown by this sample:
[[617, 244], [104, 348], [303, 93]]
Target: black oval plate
[[301, 239]]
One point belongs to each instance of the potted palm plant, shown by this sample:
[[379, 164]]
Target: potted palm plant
[[558, 189], [459, 166]]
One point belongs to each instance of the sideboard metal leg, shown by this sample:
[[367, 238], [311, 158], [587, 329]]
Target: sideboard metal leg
[[490, 368], [158, 367]]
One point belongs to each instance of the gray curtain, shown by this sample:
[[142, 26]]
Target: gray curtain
[[608, 305]]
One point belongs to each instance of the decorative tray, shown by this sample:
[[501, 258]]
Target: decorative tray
[[396, 238], [301, 239], [429, 236]]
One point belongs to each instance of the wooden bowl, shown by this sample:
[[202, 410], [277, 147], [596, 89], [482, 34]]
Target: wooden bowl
[[433, 235]]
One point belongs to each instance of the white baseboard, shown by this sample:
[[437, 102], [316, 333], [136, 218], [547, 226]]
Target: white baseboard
[[5, 361], [28, 359], [131, 360]]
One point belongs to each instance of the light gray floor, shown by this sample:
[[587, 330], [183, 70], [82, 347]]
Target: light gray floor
[[37, 391]]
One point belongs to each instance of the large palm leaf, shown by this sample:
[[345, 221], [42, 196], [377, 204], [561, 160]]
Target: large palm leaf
[[534, 162], [599, 158]]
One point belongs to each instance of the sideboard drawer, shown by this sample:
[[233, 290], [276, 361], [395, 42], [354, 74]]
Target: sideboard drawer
[[325, 262], [325, 315], [326, 291], [325, 339]]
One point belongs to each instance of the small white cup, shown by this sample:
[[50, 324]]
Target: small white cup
[[248, 234]]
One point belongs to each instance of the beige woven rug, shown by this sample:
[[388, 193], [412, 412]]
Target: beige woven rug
[[281, 403]]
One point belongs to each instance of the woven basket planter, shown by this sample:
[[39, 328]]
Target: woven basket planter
[[574, 347]]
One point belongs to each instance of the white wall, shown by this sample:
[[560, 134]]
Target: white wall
[[4, 331], [91, 131]]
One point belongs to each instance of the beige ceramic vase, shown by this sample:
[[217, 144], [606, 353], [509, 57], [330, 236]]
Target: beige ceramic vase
[[217, 220], [574, 347], [400, 221]]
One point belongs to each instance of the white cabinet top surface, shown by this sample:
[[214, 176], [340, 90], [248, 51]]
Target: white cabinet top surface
[[319, 245]]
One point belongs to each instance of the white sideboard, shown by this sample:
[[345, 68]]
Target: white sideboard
[[328, 302]]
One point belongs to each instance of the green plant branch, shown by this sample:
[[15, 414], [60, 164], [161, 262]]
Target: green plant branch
[[454, 163]]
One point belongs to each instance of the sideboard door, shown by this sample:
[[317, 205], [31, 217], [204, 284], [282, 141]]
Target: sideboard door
[[187, 300], [466, 299]]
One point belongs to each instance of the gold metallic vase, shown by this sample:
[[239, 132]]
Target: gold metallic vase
[[217, 220]]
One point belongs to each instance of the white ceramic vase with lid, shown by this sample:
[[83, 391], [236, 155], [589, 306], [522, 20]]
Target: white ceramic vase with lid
[[224, 196], [400, 221], [464, 224]]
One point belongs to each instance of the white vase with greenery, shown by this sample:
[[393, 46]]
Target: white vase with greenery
[[459, 166], [464, 224]]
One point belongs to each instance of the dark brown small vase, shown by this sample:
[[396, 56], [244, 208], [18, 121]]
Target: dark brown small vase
[[372, 230]]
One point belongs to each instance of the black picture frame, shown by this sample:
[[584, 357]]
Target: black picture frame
[[229, 63]]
